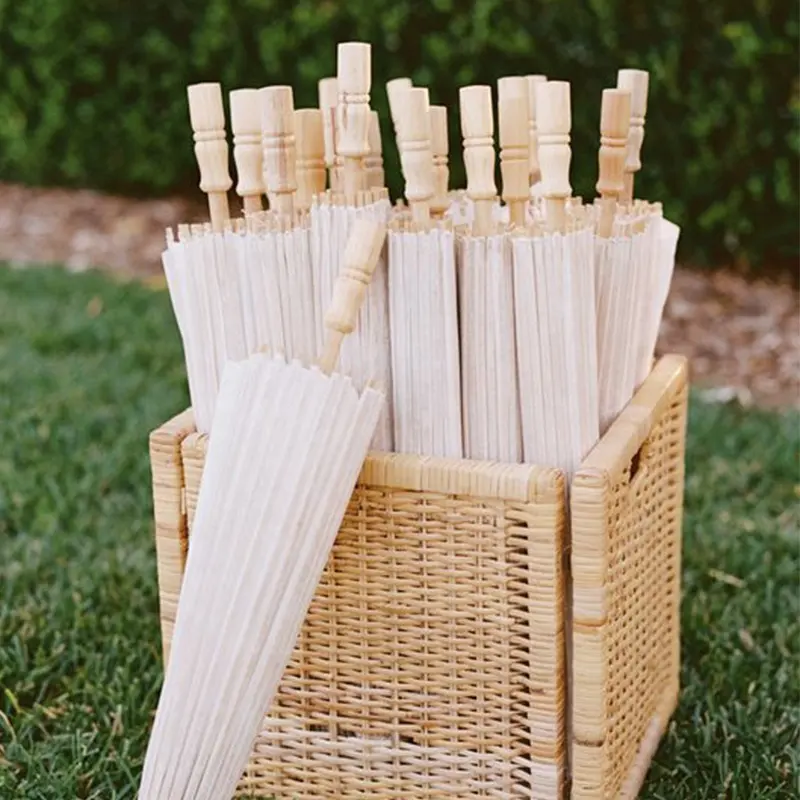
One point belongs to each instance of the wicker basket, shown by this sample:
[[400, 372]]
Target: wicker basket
[[433, 660]]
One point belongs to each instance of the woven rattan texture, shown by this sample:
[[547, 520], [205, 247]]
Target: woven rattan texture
[[431, 663], [167, 471], [626, 538]]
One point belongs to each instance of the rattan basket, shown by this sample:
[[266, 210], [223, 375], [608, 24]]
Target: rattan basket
[[448, 652]]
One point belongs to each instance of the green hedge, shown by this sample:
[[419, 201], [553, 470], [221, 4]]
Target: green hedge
[[93, 93]]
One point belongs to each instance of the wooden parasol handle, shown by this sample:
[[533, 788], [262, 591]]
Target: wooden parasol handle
[[246, 129], [615, 113], [373, 163], [395, 89], [636, 81], [278, 142], [353, 70], [534, 176], [207, 118], [416, 157], [310, 156], [512, 123], [328, 89], [361, 255], [553, 123], [477, 128], [440, 147]]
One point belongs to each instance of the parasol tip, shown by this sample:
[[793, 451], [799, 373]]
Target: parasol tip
[[207, 118], [513, 117], [246, 129], [279, 146]]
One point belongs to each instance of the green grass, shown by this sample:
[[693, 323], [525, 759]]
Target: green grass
[[89, 367]]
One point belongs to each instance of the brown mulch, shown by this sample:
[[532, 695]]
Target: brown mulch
[[742, 336]]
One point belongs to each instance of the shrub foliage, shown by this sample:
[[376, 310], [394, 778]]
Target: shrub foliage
[[93, 93]]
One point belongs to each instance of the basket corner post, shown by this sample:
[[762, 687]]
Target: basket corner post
[[170, 517], [626, 518]]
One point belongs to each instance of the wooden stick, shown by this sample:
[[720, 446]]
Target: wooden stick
[[636, 81], [416, 157], [354, 74], [277, 132], [615, 114], [533, 139], [361, 255], [207, 118], [440, 147], [394, 92], [512, 123], [328, 90], [310, 156], [374, 161], [246, 128], [477, 128], [554, 121]]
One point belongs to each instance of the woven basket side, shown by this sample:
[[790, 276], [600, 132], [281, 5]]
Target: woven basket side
[[431, 662], [626, 545], [170, 522]]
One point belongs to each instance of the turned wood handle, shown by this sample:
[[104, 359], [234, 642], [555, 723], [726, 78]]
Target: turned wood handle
[[310, 156], [279, 149], [207, 118], [247, 154], [440, 148], [514, 139], [416, 156], [477, 128], [636, 81], [553, 124], [361, 256], [533, 143], [374, 161], [353, 72], [615, 113]]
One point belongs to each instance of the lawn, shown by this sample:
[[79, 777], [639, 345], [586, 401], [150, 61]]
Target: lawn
[[88, 367]]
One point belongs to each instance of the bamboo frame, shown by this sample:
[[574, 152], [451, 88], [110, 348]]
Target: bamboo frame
[[433, 660]]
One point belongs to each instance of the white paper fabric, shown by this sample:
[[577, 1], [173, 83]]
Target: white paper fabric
[[285, 452], [556, 347], [423, 314]]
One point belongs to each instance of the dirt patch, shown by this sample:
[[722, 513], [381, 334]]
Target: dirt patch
[[742, 336]]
